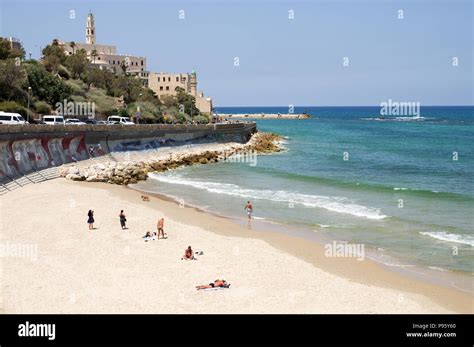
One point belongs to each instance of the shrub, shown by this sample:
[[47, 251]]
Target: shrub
[[42, 107], [14, 107]]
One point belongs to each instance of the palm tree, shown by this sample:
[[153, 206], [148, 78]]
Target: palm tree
[[94, 54], [73, 45]]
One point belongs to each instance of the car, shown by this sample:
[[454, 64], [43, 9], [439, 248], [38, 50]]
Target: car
[[90, 121], [11, 118], [53, 119], [74, 121], [101, 122], [119, 120]]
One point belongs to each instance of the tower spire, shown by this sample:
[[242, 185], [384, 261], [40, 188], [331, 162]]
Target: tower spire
[[90, 29]]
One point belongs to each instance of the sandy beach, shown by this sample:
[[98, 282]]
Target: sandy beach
[[69, 269]]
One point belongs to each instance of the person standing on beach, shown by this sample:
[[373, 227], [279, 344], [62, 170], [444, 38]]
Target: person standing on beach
[[249, 209], [90, 219], [123, 219], [160, 225]]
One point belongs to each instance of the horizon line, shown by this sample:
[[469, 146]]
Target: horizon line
[[286, 106]]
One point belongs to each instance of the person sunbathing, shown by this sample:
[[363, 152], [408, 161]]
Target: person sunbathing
[[188, 254], [217, 284], [149, 236]]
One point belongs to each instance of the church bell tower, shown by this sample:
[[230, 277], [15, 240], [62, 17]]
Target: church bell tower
[[90, 29]]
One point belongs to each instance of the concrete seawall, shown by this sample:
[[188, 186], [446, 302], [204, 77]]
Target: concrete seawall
[[27, 148]]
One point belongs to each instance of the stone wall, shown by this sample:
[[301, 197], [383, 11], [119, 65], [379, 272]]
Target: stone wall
[[27, 148]]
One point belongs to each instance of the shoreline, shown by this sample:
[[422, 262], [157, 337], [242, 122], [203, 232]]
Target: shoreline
[[413, 271], [304, 248], [108, 270]]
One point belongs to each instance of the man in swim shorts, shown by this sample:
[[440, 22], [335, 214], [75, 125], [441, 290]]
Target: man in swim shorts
[[249, 209]]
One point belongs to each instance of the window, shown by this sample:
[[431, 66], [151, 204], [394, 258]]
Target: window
[[142, 62], [167, 88], [98, 58], [158, 79], [114, 62], [184, 79], [177, 79], [169, 79], [161, 88]]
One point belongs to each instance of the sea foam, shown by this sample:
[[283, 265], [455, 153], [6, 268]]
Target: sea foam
[[334, 204], [457, 238]]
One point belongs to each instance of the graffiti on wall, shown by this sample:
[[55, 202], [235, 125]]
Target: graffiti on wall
[[19, 157]]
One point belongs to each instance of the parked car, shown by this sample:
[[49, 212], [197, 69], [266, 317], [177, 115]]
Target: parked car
[[91, 121], [74, 121], [11, 118], [119, 120], [53, 119]]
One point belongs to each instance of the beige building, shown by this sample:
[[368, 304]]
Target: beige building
[[164, 83], [105, 56], [15, 44]]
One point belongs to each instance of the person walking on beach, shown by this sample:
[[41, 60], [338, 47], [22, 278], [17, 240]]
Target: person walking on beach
[[249, 209], [123, 219], [160, 225], [90, 219]]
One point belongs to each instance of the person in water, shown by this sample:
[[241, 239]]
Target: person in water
[[90, 219], [188, 254], [123, 219], [249, 209], [160, 225], [216, 284]]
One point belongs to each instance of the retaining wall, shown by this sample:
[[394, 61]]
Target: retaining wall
[[26, 148]]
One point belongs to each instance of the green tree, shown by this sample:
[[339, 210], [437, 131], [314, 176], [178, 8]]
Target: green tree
[[77, 63], [55, 50], [100, 78], [11, 78], [128, 86], [149, 95], [186, 102], [5, 49], [46, 86], [94, 54], [72, 44]]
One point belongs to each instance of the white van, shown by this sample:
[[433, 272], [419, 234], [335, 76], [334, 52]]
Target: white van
[[119, 120], [53, 119], [11, 118]]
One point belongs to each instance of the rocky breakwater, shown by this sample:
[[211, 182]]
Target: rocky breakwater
[[131, 171]]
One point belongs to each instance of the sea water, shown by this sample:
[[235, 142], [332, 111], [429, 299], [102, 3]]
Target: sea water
[[400, 185]]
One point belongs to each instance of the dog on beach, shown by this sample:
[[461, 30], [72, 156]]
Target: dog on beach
[[145, 198]]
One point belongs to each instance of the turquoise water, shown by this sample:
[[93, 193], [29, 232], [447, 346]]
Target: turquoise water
[[399, 190]]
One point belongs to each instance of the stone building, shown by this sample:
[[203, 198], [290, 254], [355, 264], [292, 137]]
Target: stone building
[[164, 83], [15, 44], [105, 56]]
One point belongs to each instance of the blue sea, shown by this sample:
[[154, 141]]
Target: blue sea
[[402, 186]]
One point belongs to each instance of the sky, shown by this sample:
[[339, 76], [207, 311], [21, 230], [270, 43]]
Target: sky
[[281, 61]]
